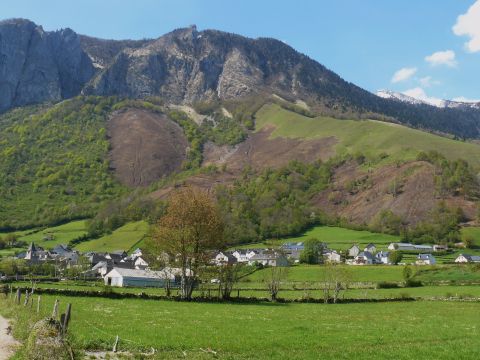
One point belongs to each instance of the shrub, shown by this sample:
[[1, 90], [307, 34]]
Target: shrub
[[386, 285], [413, 283]]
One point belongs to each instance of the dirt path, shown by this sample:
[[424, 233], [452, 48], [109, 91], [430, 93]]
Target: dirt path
[[7, 343]]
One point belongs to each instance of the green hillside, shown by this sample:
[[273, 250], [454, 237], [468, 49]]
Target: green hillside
[[366, 136], [53, 162], [124, 238]]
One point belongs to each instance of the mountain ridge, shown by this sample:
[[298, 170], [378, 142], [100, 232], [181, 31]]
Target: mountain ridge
[[187, 66]]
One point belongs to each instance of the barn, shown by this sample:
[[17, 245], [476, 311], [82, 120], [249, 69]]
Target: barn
[[141, 278]]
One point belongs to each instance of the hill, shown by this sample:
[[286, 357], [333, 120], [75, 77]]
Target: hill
[[189, 66]]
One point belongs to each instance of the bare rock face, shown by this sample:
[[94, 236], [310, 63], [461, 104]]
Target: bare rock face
[[38, 66]]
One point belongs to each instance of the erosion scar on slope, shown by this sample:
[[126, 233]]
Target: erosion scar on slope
[[145, 146]]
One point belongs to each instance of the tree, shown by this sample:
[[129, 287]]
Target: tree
[[273, 278], [407, 273], [395, 257], [335, 279], [228, 275], [190, 228], [312, 252]]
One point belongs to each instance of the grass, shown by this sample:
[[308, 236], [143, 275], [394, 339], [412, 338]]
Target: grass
[[337, 238], [419, 330], [62, 234], [124, 238], [367, 136], [315, 273]]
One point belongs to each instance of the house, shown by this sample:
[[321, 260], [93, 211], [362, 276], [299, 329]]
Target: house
[[224, 258], [243, 255], [465, 258], [353, 251], [142, 278], [140, 263], [425, 259], [332, 256], [364, 258], [440, 247], [371, 248], [270, 258], [382, 257]]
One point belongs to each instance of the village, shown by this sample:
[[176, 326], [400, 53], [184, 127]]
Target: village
[[120, 269]]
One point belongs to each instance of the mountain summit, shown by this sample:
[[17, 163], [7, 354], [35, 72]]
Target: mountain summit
[[187, 66]]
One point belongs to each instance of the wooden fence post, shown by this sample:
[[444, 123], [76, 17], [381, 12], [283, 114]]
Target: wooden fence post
[[55, 309], [65, 319], [38, 304], [18, 296], [116, 344]]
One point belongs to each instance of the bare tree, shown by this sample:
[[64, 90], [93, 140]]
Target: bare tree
[[273, 279], [228, 275], [190, 228], [335, 279]]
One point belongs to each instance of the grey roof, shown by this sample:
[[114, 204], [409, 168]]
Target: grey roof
[[366, 254], [425, 256]]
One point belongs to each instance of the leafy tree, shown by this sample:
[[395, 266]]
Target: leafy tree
[[407, 273], [395, 257], [190, 228], [312, 253]]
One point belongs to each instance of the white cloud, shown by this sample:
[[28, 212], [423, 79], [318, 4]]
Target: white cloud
[[403, 74], [466, 100], [446, 57], [427, 81], [419, 93], [468, 24]]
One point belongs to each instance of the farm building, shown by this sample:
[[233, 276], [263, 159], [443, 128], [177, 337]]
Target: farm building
[[141, 278], [409, 247], [465, 258]]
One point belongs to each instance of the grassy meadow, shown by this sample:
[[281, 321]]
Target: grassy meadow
[[124, 238], [367, 136], [400, 330]]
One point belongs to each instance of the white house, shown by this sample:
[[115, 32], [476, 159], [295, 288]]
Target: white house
[[141, 278], [371, 248], [425, 259], [382, 257], [243, 255], [364, 258], [465, 258], [140, 263], [269, 259], [353, 251], [332, 256]]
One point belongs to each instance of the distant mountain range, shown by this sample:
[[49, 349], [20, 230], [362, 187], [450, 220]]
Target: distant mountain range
[[187, 66], [440, 103]]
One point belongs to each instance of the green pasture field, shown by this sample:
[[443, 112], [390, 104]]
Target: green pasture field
[[337, 238], [124, 238], [400, 330], [366, 136]]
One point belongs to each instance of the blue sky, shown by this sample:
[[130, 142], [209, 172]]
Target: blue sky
[[366, 42]]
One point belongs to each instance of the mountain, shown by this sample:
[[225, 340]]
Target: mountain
[[187, 66], [440, 103]]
